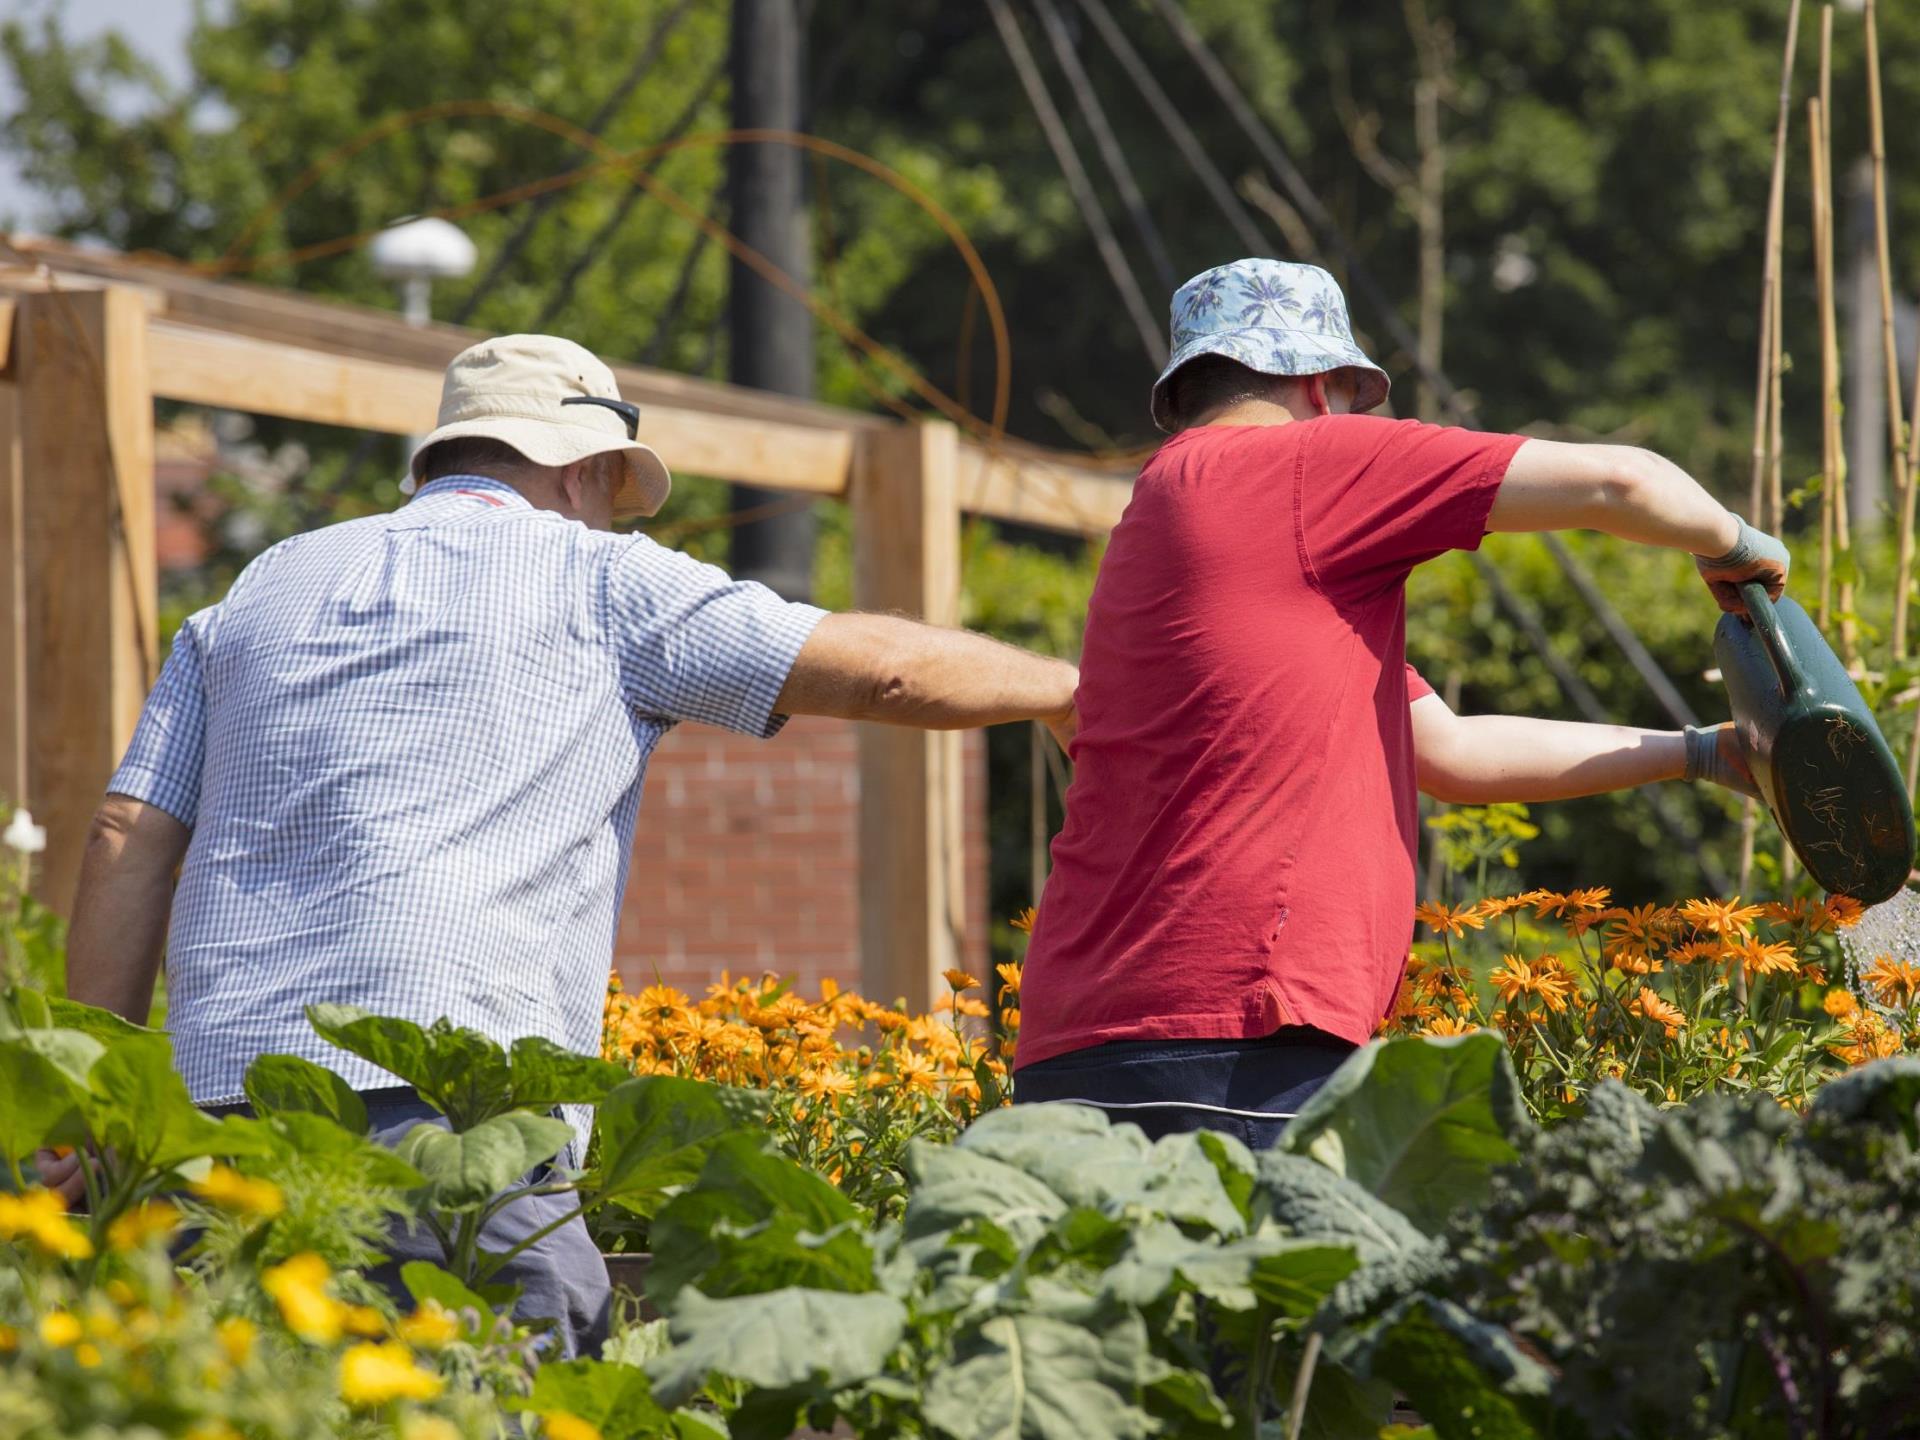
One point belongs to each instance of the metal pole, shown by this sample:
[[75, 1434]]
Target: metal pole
[[770, 334]]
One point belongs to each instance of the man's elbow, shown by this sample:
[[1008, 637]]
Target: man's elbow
[[129, 834], [1625, 480]]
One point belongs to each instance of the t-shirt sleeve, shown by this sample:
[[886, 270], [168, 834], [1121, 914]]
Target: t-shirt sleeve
[[692, 643], [1378, 496], [162, 765], [1417, 687]]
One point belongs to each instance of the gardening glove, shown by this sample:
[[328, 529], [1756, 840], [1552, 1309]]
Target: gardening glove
[[1755, 555], [1713, 754]]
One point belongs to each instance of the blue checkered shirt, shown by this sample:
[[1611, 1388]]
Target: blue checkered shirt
[[410, 750]]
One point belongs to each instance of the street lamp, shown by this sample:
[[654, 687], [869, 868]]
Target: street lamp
[[415, 253]]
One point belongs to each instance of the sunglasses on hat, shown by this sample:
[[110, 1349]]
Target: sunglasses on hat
[[625, 409]]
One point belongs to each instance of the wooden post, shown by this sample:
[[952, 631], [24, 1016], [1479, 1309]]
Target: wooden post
[[85, 408], [13, 612], [906, 525]]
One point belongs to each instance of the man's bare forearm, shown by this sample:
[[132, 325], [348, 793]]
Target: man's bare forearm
[[1617, 489], [1487, 758], [900, 672], [120, 910]]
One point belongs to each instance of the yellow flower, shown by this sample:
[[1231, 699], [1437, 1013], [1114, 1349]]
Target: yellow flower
[[1663, 1012], [1443, 1025], [1449, 921], [429, 1327], [231, 1190], [1868, 1038], [1009, 973], [364, 1321], [1010, 1019], [86, 1355], [1845, 910], [967, 1005], [373, 1374], [562, 1426], [1762, 957], [41, 1216], [212, 1430], [299, 1287], [60, 1328], [1840, 1004], [153, 1218], [9, 1339], [916, 1071], [960, 980], [429, 1427], [1895, 982], [1024, 921], [1695, 950], [1728, 919], [1543, 977], [826, 1084], [236, 1335]]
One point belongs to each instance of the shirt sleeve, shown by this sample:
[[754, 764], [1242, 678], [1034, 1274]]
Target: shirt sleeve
[[1417, 687], [162, 765], [693, 643], [1378, 496]]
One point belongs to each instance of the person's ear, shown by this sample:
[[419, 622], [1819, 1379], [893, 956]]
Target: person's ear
[[1317, 395]]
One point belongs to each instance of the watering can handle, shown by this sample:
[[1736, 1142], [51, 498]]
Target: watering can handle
[[1767, 623]]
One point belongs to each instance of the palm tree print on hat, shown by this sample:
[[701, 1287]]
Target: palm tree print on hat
[[1266, 296]]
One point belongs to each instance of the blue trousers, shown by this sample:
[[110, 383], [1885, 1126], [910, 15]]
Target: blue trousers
[[1248, 1089], [561, 1276]]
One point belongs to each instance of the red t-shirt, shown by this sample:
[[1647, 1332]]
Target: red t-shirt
[[1238, 852]]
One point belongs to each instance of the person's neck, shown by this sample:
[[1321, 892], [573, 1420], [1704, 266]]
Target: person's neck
[[1259, 412]]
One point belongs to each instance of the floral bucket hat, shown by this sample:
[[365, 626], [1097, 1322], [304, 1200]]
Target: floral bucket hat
[[1272, 316]]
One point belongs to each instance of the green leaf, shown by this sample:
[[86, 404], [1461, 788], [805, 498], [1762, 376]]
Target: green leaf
[[656, 1132], [1886, 1092], [102, 1025], [953, 1186], [545, 1075], [465, 1169], [42, 1089], [138, 1107], [1310, 1201], [754, 1222], [1468, 1379], [460, 1072], [1070, 1149], [616, 1399], [1421, 1123], [281, 1084], [318, 1138], [1031, 1377], [777, 1340], [1288, 1275]]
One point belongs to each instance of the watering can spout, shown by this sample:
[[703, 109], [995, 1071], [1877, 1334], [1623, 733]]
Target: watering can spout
[[1819, 759]]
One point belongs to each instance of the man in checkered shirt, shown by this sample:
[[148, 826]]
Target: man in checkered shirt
[[399, 766]]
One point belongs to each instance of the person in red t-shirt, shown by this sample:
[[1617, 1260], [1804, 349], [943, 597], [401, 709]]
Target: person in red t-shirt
[[1232, 895]]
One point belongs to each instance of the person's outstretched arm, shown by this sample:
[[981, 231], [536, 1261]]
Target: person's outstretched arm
[[900, 672], [120, 910], [1482, 759], [1637, 495]]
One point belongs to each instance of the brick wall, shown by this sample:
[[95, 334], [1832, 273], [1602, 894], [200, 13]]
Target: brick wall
[[746, 858]]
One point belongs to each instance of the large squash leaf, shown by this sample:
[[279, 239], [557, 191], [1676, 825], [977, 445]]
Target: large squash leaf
[[1032, 1377], [43, 1081], [617, 1400], [465, 1169], [287, 1084], [780, 1340], [1423, 1124], [656, 1132]]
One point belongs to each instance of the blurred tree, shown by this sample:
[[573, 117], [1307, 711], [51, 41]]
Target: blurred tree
[[1596, 238]]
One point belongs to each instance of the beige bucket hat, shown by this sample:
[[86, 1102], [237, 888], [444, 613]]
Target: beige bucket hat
[[555, 403]]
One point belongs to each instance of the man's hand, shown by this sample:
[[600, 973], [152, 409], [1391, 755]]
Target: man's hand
[[1756, 555], [60, 1173], [1064, 726], [1714, 755]]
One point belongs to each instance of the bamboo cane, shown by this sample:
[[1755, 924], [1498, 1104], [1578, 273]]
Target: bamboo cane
[[1770, 270], [1816, 158], [1896, 422], [1836, 468], [1776, 501]]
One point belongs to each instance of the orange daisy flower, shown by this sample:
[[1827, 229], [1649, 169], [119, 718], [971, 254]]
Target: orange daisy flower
[[1895, 982], [1449, 921], [1725, 918], [1664, 1012]]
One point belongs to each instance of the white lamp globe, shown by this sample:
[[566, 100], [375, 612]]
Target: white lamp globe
[[429, 249]]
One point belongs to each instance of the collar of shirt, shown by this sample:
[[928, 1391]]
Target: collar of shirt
[[476, 489]]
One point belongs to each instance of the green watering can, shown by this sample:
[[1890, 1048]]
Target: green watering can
[[1811, 743]]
